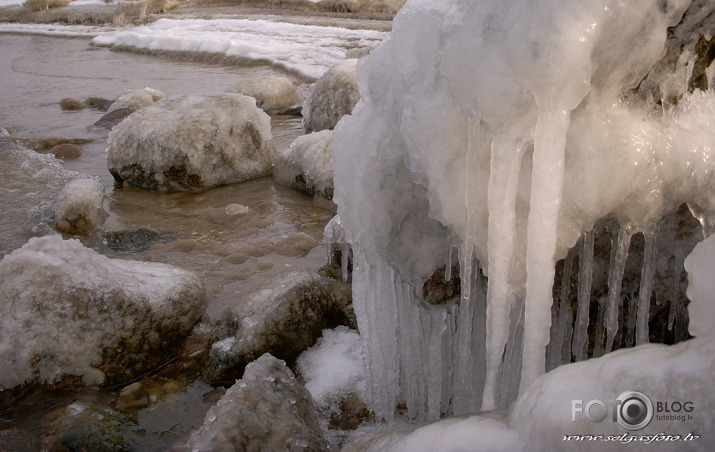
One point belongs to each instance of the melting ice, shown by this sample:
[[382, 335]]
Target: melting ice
[[502, 130]]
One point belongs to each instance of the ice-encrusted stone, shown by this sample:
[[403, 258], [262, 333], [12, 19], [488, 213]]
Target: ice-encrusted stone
[[272, 93], [331, 97], [307, 165], [266, 410], [192, 142], [69, 311], [136, 99], [78, 208]]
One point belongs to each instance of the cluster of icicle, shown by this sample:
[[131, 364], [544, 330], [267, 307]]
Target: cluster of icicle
[[495, 133]]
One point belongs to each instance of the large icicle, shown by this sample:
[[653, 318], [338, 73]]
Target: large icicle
[[585, 277], [615, 278], [646, 288]]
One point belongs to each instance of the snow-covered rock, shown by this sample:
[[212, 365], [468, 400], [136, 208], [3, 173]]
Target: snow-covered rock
[[272, 93], [331, 97], [79, 207], [307, 165], [69, 311], [192, 142], [136, 99], [283, 319], [266, 410]]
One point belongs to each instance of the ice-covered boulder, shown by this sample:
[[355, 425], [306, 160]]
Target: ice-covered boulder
[[272, 93], [284, 319], [307, 165], [266, 410], [39, 5], [71, 312], [136, 99], [331, 97], [79, 207], [192, 142]]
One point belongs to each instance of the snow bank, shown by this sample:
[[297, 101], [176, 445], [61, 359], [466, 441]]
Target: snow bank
[[307, 165], [68, 310], [266, 410], [79, 207], [494, 132], [272, 94], [306, 50], [136, 99], [331, 97], [192, 142]]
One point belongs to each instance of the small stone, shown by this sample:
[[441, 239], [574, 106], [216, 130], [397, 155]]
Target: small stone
[[71, 104], [67, 151]]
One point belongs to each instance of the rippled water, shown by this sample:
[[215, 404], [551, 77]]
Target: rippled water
[[236, 237]]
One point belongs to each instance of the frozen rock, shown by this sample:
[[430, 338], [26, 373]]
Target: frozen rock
[[272, 93], [136, 99], [70, 103], [331, 97], [79, 208], [136, 10], [39, 5], [192, 142], [69, 311], [266, 410], [307, 165], [360, 52], [284, 320]]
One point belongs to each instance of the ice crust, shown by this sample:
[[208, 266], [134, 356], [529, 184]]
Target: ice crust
[[272, 94], [497, 130], [307, 164], [192, 141], [331, 97], [68, 310], [136, 99]]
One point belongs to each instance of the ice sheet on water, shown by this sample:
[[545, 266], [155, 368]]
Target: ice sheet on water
[[307, 50]]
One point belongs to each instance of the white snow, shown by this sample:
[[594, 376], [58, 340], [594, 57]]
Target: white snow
[[58, 30], [497, 128], [307, 50], [333, 367], [79, 207], [65, 307], [309, 157]]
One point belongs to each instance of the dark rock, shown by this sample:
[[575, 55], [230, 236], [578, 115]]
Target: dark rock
[[137, 240], [113, 118], [67, 151], [42, 144], [293, 111], [266, 410], [99, 103]]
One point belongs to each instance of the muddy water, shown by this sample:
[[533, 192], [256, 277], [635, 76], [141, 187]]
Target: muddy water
[[237, 238]]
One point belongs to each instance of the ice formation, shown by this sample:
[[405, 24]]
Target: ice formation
[[191, 142], [496, 133], [307, 165], [68, 310], [136, 99], [79, 207], [331, 97], [306, 50], [272, 94]]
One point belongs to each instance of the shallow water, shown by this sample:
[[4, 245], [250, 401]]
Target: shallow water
[[236, 237]]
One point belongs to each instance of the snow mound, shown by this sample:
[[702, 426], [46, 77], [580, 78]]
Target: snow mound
[[68, 310], [307, 165], [136, 99], [272, 93], [79, 208], [331, 97], [192, 142]]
